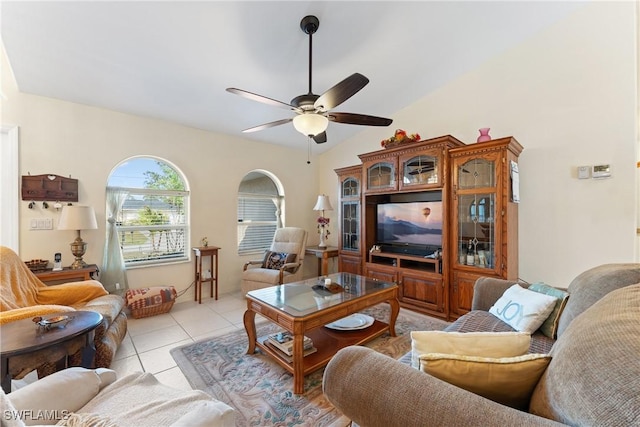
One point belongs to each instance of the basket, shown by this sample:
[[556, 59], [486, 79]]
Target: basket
[[37, 264], [138, 313], [147, 302]]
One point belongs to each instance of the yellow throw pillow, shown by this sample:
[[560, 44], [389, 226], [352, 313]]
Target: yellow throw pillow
[[482, 344], [509, 380]]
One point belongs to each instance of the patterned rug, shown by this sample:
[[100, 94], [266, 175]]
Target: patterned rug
[[261, 391]]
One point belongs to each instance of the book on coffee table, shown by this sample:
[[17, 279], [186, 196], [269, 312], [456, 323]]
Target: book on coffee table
[[289, 357], [283, 341]]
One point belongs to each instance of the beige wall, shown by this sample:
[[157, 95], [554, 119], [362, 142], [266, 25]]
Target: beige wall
[[87, 143], [568, 95]]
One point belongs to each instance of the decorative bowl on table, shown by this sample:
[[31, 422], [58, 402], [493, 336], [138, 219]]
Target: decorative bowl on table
[[46, 323]]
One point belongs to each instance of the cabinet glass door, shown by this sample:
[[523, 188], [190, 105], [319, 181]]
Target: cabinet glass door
[[420, 170], [381, 176], [350, 226], [477, 173], [350, 188], [350, 208], [476, 230]]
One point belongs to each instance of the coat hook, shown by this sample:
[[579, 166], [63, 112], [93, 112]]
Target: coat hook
[[57, 205], [45, 205], [32, 204]]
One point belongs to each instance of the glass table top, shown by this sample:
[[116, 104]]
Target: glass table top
[[304, 297]]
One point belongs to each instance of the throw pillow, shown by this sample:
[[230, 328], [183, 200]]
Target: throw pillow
[[522, 309], [275, 260], [483, 344], [550, 326], [509, 381], [60, 393]]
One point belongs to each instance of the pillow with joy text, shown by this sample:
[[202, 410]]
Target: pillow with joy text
[[522, 309]]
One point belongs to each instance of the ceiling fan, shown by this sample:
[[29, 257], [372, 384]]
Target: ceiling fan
[[312, 111]]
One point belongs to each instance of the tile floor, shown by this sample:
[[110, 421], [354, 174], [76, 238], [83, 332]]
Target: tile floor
[[149, 340]]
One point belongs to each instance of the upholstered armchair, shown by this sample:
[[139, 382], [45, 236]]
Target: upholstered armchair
[[282, 263]]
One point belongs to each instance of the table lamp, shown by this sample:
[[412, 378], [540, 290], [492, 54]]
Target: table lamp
[[323, 204], [78, 218]]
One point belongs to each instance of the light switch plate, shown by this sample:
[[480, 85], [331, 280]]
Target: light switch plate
[[583, 172]]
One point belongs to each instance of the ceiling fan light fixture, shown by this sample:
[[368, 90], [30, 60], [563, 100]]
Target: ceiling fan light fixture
[[310, 124]]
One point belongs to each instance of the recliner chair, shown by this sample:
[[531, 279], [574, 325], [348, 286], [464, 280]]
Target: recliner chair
[[281, 264]]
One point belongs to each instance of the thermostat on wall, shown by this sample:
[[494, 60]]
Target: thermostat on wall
[[601, 171]]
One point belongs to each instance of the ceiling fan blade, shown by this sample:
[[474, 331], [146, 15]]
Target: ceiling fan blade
[[267, 125], [320, 138], [359, 119], [260, 98], [341, 92]]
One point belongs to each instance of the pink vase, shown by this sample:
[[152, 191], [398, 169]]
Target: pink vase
[[484, 135]]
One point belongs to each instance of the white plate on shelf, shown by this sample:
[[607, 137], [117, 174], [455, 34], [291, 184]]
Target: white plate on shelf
[[351, 323]]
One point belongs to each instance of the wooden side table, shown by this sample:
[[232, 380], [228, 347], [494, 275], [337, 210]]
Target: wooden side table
[[22, 337], [212, 253], [67, 274], [323, 255]]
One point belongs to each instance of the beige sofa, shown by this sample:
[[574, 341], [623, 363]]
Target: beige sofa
[[593, 378], [24, 296], [82, 397]]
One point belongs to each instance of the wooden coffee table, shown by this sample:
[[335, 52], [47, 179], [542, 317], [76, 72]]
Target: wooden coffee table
[[24, 337], [298, 308]]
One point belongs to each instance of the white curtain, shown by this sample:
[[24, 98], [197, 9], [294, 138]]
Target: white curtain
[[113, 268]]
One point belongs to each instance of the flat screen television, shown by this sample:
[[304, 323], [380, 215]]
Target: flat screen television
[[409, 227]]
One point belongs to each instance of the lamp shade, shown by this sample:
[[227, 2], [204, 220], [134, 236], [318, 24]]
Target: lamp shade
[[77, 218], [310, 124], [323, 204]]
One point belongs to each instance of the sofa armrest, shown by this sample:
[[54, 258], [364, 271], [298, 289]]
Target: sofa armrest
[[487, 290], [375, 390]]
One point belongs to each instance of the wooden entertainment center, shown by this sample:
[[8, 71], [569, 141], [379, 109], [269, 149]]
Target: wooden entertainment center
[[471, 186]]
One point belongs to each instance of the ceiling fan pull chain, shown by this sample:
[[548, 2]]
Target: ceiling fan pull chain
[[309, 149]]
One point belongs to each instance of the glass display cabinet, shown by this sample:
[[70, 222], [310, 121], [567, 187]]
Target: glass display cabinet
[[484, 218], [349, 241]]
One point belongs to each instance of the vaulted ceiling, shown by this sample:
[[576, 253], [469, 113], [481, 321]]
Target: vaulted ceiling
[[173, 60]]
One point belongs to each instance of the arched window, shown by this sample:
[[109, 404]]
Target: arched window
[[149, 199], [260, 211]]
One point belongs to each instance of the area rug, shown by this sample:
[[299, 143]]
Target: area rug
[[261, 391]]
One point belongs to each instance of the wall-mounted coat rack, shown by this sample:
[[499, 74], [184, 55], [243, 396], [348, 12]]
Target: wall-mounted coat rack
[[49, 187]]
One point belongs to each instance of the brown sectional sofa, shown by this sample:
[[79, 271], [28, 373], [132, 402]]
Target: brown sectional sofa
[[593, 377]]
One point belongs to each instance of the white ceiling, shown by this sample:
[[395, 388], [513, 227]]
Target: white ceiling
[[172, 60]]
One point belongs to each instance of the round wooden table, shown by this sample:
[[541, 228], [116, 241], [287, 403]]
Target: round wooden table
[[25, 337]]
